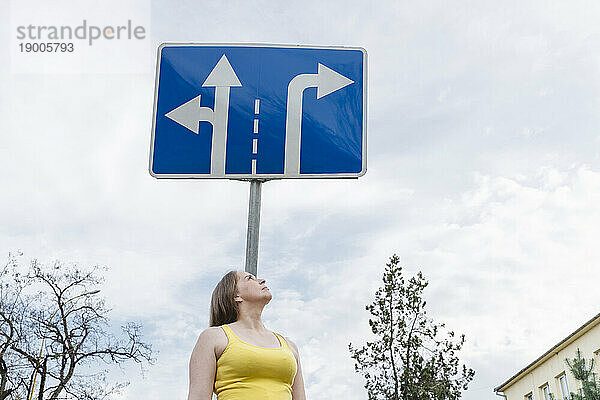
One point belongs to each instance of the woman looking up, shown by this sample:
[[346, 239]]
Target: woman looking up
[[237, 358]]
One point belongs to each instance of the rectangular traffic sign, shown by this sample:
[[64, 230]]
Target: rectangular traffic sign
[[259, 112]]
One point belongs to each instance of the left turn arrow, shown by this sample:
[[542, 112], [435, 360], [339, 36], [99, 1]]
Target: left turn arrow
[[190, 113]]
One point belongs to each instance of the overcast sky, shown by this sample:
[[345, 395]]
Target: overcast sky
[[483, 172]]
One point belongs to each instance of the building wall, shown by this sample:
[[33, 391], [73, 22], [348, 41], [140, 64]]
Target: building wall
[[553, 367]]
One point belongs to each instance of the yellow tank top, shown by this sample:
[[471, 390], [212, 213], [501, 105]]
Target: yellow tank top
[[249, 372]]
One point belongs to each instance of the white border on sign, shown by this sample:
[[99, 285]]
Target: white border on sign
[[260, 176]]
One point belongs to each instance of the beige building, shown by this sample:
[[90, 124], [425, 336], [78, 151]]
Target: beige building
[[549, 374]]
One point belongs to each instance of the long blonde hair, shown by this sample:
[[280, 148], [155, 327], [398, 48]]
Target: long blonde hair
[[223, 308]]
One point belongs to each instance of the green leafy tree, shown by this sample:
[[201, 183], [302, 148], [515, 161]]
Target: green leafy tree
[[583, 372], [413, 357]]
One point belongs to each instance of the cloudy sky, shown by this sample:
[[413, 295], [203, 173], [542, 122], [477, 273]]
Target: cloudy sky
[[483, 172]]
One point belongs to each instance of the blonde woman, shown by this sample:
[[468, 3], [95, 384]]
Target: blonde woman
[[237, 358]]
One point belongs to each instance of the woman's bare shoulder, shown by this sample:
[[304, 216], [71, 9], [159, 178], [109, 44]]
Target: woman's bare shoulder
[[292, 345], [290, 342], [212, 334], [213, 337]]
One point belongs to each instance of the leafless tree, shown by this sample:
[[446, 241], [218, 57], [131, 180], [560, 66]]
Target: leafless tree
[[14, 371], [56, 335]]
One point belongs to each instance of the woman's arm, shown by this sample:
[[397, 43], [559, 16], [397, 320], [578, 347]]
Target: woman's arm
[[298, 385], [203, 365]]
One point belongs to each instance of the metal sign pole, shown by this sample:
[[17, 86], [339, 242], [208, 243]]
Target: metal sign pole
[[253, 226]]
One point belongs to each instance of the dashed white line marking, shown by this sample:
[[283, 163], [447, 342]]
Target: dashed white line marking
[[255, 130]]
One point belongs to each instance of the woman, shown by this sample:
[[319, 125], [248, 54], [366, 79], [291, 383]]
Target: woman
[[237, 357]]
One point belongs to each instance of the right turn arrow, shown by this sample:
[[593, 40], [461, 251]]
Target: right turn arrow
[[326, 81]]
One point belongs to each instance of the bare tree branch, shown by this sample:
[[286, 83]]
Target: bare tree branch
[[54, 309]]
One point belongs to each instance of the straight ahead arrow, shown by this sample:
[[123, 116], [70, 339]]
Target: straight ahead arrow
[[190, 113]]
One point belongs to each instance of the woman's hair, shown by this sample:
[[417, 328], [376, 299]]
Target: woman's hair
[[223, 308]]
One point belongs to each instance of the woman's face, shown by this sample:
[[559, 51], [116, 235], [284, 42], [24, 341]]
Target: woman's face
[[250, 288]]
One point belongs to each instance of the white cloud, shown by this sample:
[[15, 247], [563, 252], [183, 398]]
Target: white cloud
[[505, 259], [508, 92]]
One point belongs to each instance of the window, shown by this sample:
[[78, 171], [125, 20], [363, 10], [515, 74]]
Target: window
[[564, 387], [545, 392], [529, 396]]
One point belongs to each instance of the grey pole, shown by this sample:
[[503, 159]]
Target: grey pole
[[253, 226]]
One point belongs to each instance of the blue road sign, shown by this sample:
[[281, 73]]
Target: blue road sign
[[259, 111]]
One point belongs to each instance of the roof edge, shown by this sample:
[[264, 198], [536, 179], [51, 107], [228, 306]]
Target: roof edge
[[559, 346]]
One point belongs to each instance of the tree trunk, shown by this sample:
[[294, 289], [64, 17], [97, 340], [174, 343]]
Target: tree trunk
[[392, 349], [407, 366], [3, 377], [42, 380], [4, 393]]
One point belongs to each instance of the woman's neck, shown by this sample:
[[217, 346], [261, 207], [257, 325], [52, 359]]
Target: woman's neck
[[250, 320]]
